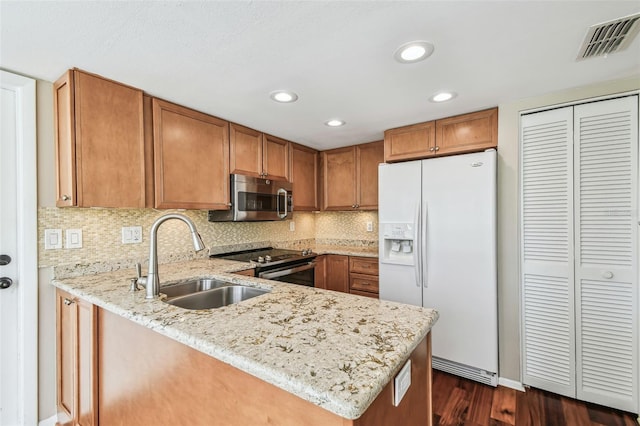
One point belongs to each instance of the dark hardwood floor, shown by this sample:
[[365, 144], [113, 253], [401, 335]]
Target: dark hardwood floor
[[458, 401]]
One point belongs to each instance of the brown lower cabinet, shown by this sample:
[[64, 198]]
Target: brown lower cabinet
[[76, 361], [114, 372], [348, 274]]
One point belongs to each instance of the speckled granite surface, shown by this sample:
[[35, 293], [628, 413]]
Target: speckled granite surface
[[335, 350], [347, 250]]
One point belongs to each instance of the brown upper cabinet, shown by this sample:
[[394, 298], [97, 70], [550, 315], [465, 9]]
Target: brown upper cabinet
[[256, 154], [304, 176], [350, 177], [99, 142], [191, 151], [471, 132]]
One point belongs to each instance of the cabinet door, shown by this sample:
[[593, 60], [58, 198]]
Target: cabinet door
[[275, 156], [410, 142], [65, 140], [339, 177], [304, 176], [245, 150], [191, 152], [320, 273], [66, 320], [369, 156], [86, 363], [337, 277], [468, 132], [99, 133], [109, 130]]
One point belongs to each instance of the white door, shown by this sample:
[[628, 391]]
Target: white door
[[606, 242], [548, 317], [18, 252], [398, 214], [459, 259]]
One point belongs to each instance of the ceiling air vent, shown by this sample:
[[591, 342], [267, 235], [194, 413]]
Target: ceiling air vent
[[609, 37]]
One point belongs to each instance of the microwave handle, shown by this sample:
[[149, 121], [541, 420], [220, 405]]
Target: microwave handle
[[283, 192]]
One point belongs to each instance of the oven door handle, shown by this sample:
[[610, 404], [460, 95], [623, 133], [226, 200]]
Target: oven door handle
[[288, 271]]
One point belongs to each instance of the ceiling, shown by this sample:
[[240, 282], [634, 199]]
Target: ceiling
[[224, 58]]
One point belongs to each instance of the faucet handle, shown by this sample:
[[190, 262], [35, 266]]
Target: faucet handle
[[138, 270]]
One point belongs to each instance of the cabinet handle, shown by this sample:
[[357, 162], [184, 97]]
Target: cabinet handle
[[607, 274], [357, 206], [432, 149], [68, 301], [65, 198], [437, 148]]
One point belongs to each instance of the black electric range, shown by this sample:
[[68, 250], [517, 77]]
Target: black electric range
[[292, 266]]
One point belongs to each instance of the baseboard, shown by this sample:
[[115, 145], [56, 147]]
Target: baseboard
[[51, 421], [508, 383]]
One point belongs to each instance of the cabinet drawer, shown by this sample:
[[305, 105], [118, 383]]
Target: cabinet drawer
[[363, 265], [364, 293], [363, 282]]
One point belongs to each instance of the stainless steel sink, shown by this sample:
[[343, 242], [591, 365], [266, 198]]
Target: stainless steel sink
[[192, 286], [217, 297]]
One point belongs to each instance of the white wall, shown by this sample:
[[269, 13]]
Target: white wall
[[508, 213]]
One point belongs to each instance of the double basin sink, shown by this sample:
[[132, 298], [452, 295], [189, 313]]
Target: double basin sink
[[206, 293]]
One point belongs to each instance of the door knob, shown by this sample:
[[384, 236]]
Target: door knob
[[5, 282], [4, 259]]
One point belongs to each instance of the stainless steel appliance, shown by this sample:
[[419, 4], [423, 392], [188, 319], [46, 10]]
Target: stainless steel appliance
[[289, 266], [256, 199]]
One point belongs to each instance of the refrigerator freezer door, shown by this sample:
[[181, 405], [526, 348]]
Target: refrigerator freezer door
[[459, 206], [398, 197]]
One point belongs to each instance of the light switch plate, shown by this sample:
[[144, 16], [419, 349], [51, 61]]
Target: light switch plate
[[401, 383], [73, 238], [292, 226], [52, 239], [131, 234]]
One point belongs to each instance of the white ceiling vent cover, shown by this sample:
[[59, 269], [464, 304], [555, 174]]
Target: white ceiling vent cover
[[609, 37]]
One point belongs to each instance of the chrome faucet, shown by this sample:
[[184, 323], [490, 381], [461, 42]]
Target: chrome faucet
[[151, 281]]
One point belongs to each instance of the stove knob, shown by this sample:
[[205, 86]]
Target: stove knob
[[267, 258], [260, 259]]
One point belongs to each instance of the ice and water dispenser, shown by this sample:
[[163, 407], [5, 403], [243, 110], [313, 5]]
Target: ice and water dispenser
[[398, 243]]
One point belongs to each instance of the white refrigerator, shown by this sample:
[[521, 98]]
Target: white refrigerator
[[438, 249]]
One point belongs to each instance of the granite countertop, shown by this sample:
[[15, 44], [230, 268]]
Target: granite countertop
[[333, 349], [347, 250]]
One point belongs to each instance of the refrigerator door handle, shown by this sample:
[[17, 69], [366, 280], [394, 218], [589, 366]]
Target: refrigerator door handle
[[424, 266], [417, 264]]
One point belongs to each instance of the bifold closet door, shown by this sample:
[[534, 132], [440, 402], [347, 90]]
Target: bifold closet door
[[606, 255], [548, 317]]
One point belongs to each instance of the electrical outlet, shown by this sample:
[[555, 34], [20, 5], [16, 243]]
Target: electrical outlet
[[401, 383], [74, 238], [369, 226], [131, 234], [52, 239], [292, 226]]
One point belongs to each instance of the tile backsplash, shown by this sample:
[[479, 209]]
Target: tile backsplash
[[102, 234]]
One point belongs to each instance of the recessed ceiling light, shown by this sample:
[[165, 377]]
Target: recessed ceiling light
[[413, 51], [442, 96], [283, 96], [335, 123]]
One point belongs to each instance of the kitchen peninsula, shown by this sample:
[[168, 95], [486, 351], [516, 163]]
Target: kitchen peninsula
[[296, 355]]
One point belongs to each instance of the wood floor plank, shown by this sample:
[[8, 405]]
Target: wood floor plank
[[553, 410], [503, 406], [443, 384], [458, 401], [480, 404], [456, 409], [575, 412]]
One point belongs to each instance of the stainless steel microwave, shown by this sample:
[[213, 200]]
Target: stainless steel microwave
[[256, 199]]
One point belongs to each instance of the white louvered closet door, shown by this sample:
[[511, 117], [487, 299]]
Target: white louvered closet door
[[606, 241], [548, 320]]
